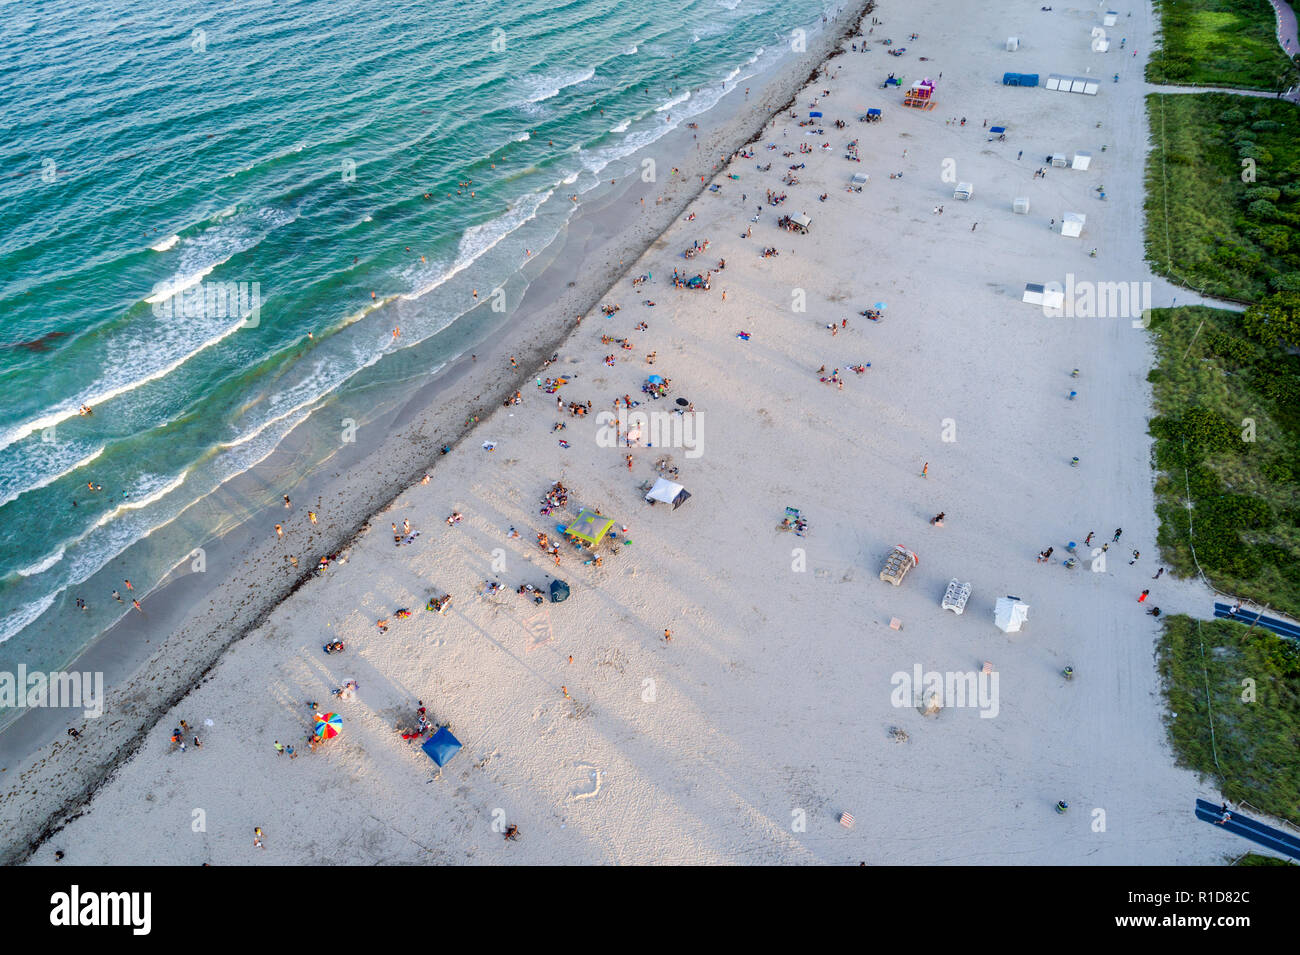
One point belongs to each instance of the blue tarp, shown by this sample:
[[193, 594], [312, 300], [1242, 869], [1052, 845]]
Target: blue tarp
[[997, 129], [1019, 79], [441, 746], [1250, 829], [814, 115], [873, 112]]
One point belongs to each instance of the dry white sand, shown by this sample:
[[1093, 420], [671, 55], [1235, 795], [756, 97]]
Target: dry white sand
[[772, 703]]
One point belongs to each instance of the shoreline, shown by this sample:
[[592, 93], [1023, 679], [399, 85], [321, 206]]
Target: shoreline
[[57, 783]]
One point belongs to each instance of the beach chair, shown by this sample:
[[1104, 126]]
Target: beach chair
[[899, 561], [955, 596]]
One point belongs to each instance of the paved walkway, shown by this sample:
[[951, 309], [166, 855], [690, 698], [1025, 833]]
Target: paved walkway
[[1286, 27]]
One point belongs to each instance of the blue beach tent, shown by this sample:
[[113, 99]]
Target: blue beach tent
[[441, 746]]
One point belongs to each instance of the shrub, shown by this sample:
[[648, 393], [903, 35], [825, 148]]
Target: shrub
[[1264, 192], [1262, 209], [1276, 318]]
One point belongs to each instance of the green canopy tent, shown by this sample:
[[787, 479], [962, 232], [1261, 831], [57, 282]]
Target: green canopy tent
[[590, 527]]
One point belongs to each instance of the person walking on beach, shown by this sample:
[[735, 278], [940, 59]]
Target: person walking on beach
[[973, 225], [937, 520], [925, 468], [513, 363], [1136, 555], [668, 636], [128, 585], [1087, 541], [137, 606], [286, 501], [1143, 596], [629, 462], [117, 596], [257, 838], [279, 531], [311, 515], [279, 748], [1118, 532], [1159, 571]]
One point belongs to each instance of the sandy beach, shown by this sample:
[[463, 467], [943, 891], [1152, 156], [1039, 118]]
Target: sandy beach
[[771, 710]]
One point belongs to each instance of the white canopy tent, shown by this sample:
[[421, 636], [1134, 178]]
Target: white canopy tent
[[1072, 224], [668, 492], [1009, 613], [1082, 160]]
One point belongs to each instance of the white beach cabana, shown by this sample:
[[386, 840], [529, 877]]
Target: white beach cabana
[[1013, 44], [1110, 18], [1072, 224], [1020, 205], [964, 190], [1009, 613], [1058, 159], [1072, 84], [1082, 160], [1036, 294], [859, 179]]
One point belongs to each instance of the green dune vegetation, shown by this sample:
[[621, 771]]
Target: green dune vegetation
[[1219, 43], [1223, 193], [1227, 441], [1234, 709]]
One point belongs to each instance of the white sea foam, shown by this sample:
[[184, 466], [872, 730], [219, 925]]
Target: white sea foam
[[166, 244], [14, 620], [92, 398], [548, 87], [43, 564], [179, 284], [51, 478], [480, 239], [154, 490], [673, 102]]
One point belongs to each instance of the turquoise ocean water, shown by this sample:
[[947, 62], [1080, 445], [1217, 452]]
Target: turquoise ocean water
[[156, 155]]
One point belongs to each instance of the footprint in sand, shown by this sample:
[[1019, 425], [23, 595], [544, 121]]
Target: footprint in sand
[[595, 779]]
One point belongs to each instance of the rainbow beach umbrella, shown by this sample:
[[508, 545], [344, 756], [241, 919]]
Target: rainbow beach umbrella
[[329, 726]]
